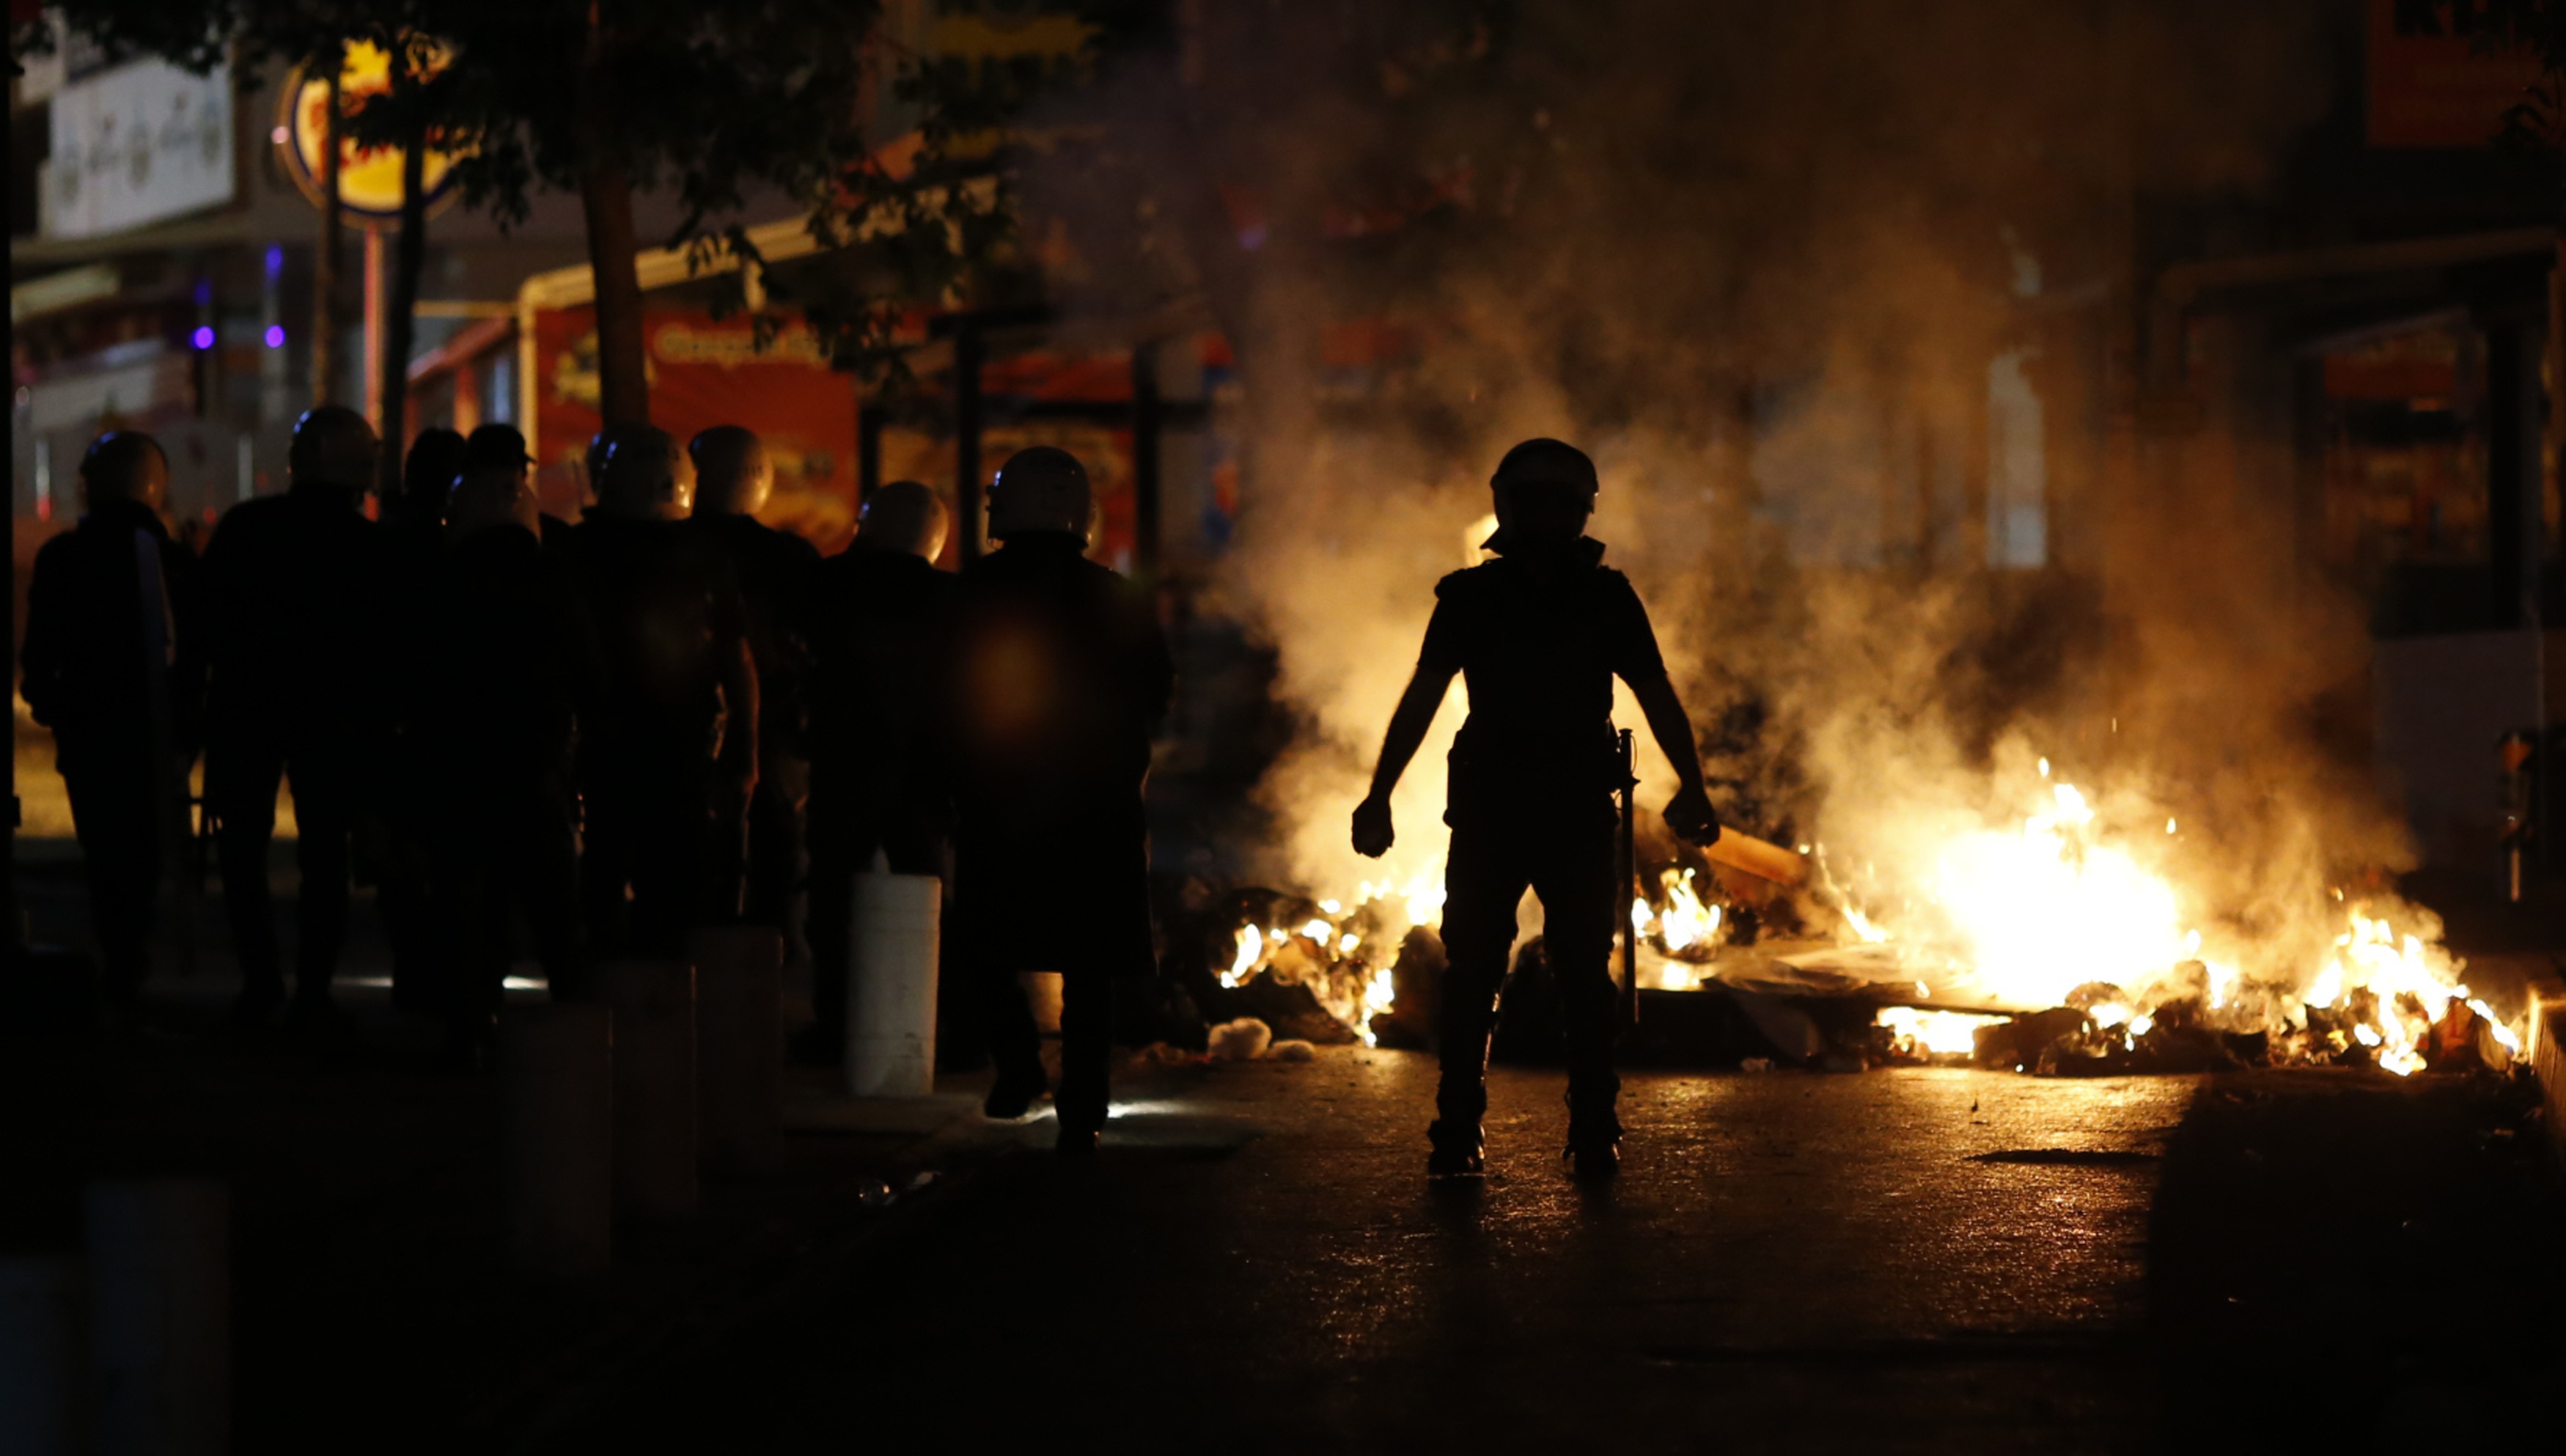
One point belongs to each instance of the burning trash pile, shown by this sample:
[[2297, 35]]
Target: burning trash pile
[[2053, 944], [2057, 945], [1327, 971]]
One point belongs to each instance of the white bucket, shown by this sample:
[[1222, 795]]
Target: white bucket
[[890, 986]]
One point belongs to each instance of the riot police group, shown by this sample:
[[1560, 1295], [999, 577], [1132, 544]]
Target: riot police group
[[589, 740]]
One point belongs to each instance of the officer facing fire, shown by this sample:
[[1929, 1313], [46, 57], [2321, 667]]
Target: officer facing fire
[[1538, 634]]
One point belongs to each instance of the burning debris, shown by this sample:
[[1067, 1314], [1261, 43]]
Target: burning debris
[[1324, 971], [2058, 947]]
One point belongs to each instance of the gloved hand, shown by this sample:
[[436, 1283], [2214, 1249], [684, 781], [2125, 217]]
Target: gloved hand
[[1692, 819], [1374, 831]]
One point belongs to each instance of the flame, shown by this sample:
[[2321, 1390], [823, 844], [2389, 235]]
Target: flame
[[2370, 955], [1942, 1033], [1381, 993], [1251, 950], [1686, 921], [2049, 908], [2020, 917]]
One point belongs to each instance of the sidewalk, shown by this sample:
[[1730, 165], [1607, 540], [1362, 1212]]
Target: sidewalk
[[374, 1309]]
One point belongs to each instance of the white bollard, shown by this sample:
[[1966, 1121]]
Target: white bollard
[[558, 1065], [159, 1318], [655, 1088], [38, 1353], [739, 1034], [890, 986]]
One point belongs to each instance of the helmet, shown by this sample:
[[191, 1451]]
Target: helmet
[[1546, 462], [333, 445], [1040, 489]]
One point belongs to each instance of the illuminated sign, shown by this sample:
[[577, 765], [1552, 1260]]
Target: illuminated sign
[[369, 177], [136, 145]]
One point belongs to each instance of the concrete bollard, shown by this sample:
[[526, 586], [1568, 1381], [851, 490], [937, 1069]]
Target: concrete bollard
[[655, 1088], [558, 1066], [40, 1354], [159, 1318], [891, 990], [739, 1035]]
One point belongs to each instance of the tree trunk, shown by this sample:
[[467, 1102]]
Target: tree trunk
[[605, 196], [398, 319], [325, 263]]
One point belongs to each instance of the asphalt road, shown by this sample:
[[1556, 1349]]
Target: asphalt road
[[1902, 1261]]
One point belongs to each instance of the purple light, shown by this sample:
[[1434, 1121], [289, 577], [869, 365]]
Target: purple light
[[276, 335], [275, 261], [204, 336]]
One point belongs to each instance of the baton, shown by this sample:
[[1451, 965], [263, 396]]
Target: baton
[[1630, 869]]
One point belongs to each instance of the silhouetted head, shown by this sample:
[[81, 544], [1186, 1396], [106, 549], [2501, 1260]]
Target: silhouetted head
[[732, 475], [638, 478], [1545, 491], [1042, 490], [333, 446], [492, 494], [435, 458], [125, 465], [496, 486], [902, 516], [496, 445]]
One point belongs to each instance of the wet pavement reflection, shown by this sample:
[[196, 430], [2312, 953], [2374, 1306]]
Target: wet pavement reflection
[[1918, 1259]]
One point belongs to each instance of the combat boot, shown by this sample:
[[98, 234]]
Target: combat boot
[[1594, 1124], [1015, 1093], [1459, 1150]]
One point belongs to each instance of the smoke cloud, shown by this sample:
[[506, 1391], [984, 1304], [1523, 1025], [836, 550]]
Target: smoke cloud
[[1841, 296]]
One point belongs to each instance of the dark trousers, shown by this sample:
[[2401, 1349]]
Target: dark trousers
[[241, 779], [1563, 851], [405, 874], [112, 813], [771, 852], [506, 858], [1086, 1039], [1068, 893], [652, 844], [845, 837]]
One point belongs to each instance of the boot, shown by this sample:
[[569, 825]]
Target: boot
[[1459, 1150], [1594, 1124], [1462, 1094], [1015, 1093]]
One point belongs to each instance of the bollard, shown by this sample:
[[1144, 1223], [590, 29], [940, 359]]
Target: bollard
[[655, 1088], [558, 1066], [891, 990], [39, 1355], [739, 1034], [159, 1318]]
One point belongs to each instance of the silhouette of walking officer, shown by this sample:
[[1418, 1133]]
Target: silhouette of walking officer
[[295, 585], [879, 611], [670, 760], [512, 671], [1059, 676], [114, 666], [1538, 634], [774, 570]]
